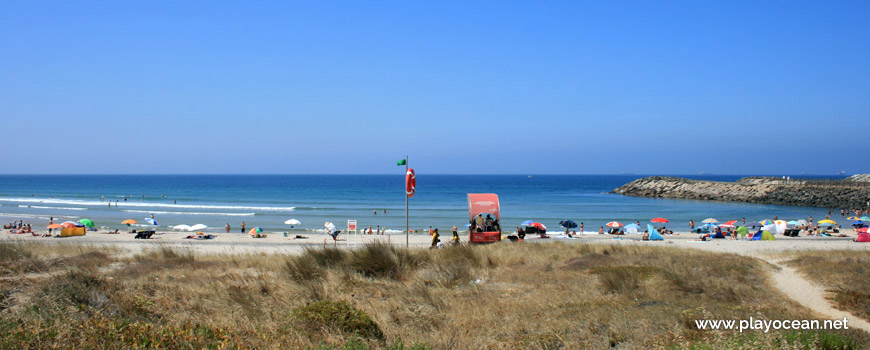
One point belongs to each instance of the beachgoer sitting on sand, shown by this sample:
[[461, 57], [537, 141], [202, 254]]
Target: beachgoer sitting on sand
[[645, 236], [601, 230], [521, 234]]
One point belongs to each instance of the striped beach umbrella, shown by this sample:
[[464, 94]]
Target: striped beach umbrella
[[766, 222], [827, 222], [710, 221], [151, 221], [853, 218], [864, 218], [255, 230], [613, 224]]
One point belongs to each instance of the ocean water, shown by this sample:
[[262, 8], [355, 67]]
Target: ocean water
[[266, 201]]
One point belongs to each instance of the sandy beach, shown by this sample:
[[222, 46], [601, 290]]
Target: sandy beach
[[237, 243]]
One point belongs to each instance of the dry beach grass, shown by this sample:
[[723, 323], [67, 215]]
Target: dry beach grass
[[546, 296]]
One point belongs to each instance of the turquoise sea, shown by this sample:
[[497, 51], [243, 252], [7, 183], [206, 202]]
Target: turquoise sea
[[266, 201]]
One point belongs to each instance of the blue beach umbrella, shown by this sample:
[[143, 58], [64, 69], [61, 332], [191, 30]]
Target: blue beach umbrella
[[753, 224], [633, 225], [527, 222], [858, 223], [151, 221], [568, 224]]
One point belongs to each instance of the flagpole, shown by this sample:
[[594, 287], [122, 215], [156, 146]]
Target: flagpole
[[407, 228]]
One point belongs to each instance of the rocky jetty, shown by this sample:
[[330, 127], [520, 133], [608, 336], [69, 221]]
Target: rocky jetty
[[764, 190], [859, 178]]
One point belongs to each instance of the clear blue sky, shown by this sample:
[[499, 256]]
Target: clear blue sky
[[729, 87]]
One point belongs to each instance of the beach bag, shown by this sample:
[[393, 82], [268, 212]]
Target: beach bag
[[863, 237]]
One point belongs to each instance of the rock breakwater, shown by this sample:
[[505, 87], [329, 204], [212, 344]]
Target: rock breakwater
[[763, 190]]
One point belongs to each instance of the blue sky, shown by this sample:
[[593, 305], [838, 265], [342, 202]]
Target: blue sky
[[731, 87]]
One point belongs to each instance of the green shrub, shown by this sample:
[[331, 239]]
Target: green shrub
[[338, 315]]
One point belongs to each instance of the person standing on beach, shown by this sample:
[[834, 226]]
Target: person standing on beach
[[228, 227], [581, 227], [243, 227], [691, 225], [375, 212], [50, 221], [435, 239]]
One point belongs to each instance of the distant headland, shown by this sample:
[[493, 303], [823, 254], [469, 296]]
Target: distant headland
[[852, 192]]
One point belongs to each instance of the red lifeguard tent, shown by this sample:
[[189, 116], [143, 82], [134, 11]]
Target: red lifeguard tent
[[483, 203]]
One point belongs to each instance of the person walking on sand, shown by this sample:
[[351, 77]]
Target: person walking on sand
[[243, 227], [435, 239], [691, 225], [228, 227]]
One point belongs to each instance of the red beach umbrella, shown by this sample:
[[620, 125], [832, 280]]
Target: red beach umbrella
[[539, 225], [730, 223], [613, 224], [660, 220]]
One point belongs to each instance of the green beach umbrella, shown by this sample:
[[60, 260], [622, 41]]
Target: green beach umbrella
[[865, 218], [87, 222]]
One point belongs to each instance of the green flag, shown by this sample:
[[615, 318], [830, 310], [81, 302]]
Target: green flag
[[402, 162]]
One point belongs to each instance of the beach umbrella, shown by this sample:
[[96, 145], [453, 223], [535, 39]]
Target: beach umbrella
[[863, 229], [743, 231], [731, 222], [864, 218], [794, 222], [753, 224], [766, 222], [781, 222], [198, 227], [633, 226], [53, 226], [129, 222], [538, 225], [802, 222], [660, 220], [727, 225], [71, 224], [292, 222], [828, 222], [853, 218], [182, 228], [255, 230], [87, 222], [567, 224], [527, 223], [613, 224], [710, 221], [151, 221]]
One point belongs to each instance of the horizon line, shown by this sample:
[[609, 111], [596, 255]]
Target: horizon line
[[397, 174]]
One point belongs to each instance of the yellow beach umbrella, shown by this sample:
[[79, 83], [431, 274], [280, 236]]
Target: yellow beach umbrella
[[826, 221]]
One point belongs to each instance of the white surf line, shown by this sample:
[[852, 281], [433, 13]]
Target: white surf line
[[811, 295]]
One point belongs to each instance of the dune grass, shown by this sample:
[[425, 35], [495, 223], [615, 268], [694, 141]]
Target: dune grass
[[545, 296], [845, 275]]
